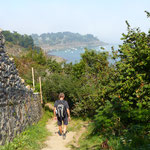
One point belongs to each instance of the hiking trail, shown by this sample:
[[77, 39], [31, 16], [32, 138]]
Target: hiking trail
[[56, 142]]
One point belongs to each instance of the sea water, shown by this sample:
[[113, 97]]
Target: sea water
[[74, 54]]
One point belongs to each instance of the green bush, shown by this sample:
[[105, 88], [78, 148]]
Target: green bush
[[126, 112], [84, 83], [57, 83]]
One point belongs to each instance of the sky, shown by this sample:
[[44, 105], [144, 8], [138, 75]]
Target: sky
[[104, 19]]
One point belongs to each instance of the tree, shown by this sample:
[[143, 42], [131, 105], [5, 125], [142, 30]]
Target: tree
[[16, 38]]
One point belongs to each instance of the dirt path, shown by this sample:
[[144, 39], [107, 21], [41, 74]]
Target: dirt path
[[56, 142]]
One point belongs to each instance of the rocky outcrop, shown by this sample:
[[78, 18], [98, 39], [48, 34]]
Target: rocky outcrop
[[19, 107]]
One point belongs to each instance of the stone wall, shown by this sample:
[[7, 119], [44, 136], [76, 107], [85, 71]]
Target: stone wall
[[19, 107]]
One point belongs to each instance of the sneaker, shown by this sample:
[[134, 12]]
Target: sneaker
[[64, 136]]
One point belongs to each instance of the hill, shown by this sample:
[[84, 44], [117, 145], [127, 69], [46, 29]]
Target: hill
[[62, 40], [15, 50], [18, 45], [25, 40]]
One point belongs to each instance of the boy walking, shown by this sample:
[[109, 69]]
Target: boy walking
[[62, 114]]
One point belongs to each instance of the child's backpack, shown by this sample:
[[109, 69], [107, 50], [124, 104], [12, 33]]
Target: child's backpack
[[61, 110]]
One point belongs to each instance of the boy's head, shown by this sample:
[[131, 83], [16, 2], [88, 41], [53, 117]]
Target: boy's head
[[61, 96]]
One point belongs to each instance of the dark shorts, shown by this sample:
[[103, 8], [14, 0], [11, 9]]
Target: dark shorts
[[60, 120]]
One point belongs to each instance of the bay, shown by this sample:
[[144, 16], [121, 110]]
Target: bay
[[74, 54]]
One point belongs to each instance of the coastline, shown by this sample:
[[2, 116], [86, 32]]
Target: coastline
[[74, 54], [48, 47]]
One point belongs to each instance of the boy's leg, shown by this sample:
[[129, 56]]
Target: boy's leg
[[60, 129], [59, 123], [65, 120], [65, 128]]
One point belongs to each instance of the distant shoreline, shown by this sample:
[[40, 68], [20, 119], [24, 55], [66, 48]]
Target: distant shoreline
[[48, 48], [74, 54], [65, 40]]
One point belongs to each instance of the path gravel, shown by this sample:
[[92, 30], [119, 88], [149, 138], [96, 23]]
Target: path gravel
[[56, 142]]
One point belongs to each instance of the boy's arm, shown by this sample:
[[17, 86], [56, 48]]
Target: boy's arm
[[68, 112], [54, 112]]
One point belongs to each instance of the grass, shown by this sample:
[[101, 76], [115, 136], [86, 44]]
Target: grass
[[90, 141], [32, 138], [75, 124]]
